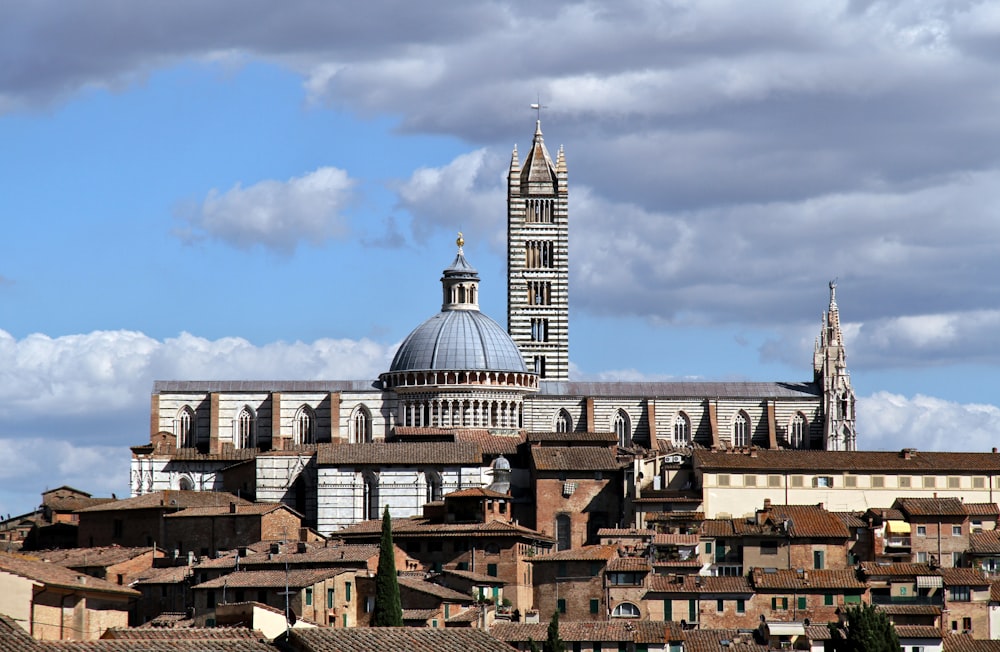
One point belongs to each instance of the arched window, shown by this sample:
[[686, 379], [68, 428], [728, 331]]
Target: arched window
[[371, 510], [246, 428], [433, 480], [741, 438], [623, 428], [797, 431], [305, 425], [626, 610], [564, 422], [361, 425], [682, 429], [185, 428], [563, 538]]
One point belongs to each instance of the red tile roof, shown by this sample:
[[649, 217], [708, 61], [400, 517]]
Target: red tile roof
[[807, 580], [629, 565], [576, 458], [390, 639], [965, 643], [584, 553], [420, 527], [930, 506], [272, 579], [59, 576], [603, 437], [380, 453], [873, 569], [169, 499], [917, 631], [711, 640], [91, 557], [615, 631], [963, 577], [698, 584], [855, 461]]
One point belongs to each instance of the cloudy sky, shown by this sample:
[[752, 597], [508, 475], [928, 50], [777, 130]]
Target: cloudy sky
[[250, 189]]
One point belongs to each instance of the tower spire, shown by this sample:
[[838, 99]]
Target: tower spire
[[831, 374]]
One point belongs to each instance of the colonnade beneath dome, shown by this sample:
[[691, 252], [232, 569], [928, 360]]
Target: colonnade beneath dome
[[460, 413]]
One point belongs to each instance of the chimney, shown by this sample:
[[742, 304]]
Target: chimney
[[767, 504], [232, 508], [301, 547]]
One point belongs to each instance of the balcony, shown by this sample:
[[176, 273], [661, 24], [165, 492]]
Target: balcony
[[897, 542], [924, 600]]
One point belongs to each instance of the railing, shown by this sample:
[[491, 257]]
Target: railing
[[897, 542], [931, 600]]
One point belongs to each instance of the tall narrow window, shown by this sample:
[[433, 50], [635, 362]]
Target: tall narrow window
[[305, 425], [563, 540], [564, 422], [540, 365], [433, 480], [797, 436], [623, 428], [682, 429], [540, 330], [246, 429], [185, 428], [371, 511], [361, 425], [740, 428]]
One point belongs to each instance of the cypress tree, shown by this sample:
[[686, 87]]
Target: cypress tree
[[388, 612], [868, 630], [554, 643]]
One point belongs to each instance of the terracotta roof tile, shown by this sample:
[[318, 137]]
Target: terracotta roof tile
[[13, 638], [917, 631], [60, 576], [438, 591], [169, 499], [629, 565], [91, 557], [711, 640], [965, 643], [189, 633], [930, 506], [676, 539], [982, 509], [390, 639], [400, 454], [492, 444], [475, 577], [807, 580], [169, 575], [174, 645], [477, 492], [625, 532], [807, 521], [253, 509], [576, 458], [715, 527], [856, 461], [873, 569], [466, 616], [271, 579], [963, 577], [583, 553], [851, 519], [699, 584], [420, 614], [910, 609], [420, 527], [603, 437], [616, 631]]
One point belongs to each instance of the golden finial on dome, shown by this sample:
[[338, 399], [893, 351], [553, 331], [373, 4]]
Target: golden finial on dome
[[460, 241]]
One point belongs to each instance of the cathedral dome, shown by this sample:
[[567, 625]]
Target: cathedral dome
[[458, 340]]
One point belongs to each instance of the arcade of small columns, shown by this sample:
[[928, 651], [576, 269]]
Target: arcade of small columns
[[481, 408], [460, 412]]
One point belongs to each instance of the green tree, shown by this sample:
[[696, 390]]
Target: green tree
[[868, 630], [532, 646], [553, 643], [388, 611]]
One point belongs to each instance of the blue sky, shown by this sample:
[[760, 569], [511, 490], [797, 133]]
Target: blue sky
[[253, 191]]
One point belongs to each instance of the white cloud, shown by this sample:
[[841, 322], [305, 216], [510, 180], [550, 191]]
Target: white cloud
[[274, 214], [464, 195], [888, 421], [71, 406]]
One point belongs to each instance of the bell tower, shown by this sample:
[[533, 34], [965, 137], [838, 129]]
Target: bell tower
[[538, 259]]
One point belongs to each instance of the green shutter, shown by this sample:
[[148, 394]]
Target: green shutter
[[741, 606], [491, 570], [828, 599], [802, 602], [561, 605], [692, 611], [330, 598], [595, 606], [309, 597], [348, 590], [668, 610]]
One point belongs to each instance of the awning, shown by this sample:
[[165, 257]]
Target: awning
[[898, 527], [929, 582]]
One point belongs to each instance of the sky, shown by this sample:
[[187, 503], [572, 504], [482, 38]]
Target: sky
[[257, 190]]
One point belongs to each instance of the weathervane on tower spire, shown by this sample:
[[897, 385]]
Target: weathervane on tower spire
[[538, 106], [460, 241]]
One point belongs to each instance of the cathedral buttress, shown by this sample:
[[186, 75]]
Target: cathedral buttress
[[831, 374], [538, 259]]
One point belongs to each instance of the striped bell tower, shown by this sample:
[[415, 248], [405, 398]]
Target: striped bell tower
[[538, 259]]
